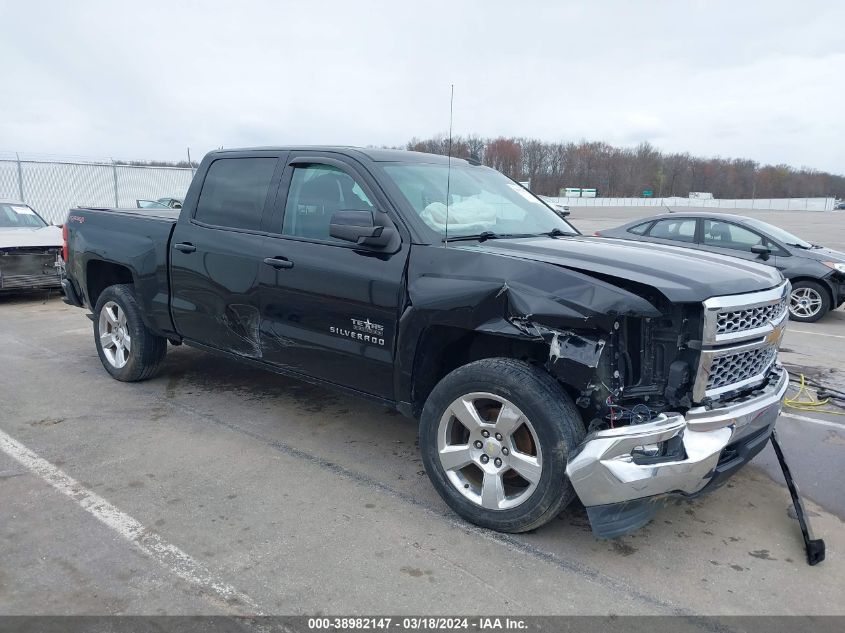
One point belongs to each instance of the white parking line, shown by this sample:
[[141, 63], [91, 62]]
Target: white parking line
[[805, 418], [817, 333], [174, 559]]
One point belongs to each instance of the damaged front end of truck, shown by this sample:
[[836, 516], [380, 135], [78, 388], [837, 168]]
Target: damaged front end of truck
[[676, 403], [674, 396], [694, 395]]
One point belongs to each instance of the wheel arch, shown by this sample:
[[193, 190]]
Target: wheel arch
[[100, 274], [824, 283], [444, 348]]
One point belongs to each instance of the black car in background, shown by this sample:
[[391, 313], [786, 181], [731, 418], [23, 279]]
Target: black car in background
[[817, 273]]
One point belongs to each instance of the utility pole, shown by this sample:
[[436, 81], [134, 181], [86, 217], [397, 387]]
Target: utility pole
[[114, 173], [20, 178], [753, 185]]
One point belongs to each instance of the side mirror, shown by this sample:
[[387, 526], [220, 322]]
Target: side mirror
[[763, 251], [359, 227]]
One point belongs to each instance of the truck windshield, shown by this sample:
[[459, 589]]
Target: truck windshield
[[19, 216], [480, 200]]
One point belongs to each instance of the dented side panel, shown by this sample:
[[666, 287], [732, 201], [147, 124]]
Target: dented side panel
[[216, 298]]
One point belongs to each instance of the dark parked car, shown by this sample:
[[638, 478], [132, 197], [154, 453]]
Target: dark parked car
[[173, 203], [817, 273], [150, 204], [161, 203], [542, 364]]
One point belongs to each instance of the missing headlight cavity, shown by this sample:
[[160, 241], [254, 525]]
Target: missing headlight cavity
[[628, 373]]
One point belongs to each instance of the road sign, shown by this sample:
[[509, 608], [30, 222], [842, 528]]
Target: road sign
[[648, 193]]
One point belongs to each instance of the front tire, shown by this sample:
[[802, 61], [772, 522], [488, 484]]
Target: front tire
[[127, 348], [808, 302], [495, 437]]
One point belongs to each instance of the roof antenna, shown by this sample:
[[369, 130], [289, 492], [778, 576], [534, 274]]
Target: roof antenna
[[449, 164]]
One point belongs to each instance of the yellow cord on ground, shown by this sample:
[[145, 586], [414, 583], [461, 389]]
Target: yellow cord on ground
[[809, 403]]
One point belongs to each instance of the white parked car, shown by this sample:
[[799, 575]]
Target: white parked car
[[30, 249]]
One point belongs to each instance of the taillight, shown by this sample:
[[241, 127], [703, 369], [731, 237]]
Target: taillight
[[597, 234], [64, 242]]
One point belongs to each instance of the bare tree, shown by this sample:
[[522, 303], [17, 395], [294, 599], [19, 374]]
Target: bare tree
[[620, 171]]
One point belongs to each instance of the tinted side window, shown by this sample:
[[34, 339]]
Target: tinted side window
[[234, 192], [727, 235], [680, 230], [316, 192], [640, 229]]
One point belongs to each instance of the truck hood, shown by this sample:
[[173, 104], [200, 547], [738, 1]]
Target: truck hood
[[681, 275], [46, 236]]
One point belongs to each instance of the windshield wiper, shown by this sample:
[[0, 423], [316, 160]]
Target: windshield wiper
[[806, 248], [556, 232], [490, 235], [484, 235]]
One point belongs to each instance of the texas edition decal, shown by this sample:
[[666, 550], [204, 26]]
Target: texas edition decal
[[365, 331]]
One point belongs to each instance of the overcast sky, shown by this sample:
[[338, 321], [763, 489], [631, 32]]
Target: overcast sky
[[146, 79]]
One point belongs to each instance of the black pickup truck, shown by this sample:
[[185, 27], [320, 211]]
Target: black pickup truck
[[542, 364]]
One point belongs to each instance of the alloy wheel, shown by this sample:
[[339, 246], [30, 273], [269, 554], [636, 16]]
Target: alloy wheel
[[114, 335], [805, 302], [489, 451]]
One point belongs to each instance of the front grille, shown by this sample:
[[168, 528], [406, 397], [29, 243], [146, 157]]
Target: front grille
[[740, 338], [740, 368], [750, 318], [9, 282]]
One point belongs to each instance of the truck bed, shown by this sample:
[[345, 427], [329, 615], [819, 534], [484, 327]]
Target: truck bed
[[142, 247]]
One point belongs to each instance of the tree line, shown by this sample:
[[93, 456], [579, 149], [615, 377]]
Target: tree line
[[628, 172]]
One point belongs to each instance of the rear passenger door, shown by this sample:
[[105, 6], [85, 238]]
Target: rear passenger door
[[674, 230], [332, 311], [216, 255]]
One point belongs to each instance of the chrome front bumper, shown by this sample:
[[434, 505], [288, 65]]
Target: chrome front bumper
[[614, 466]]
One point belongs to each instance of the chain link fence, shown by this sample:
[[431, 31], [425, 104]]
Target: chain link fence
[[52, 187]]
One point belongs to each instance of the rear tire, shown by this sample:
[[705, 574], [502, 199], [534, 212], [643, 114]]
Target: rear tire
[[808, 302], [502, 465], [127, 348]]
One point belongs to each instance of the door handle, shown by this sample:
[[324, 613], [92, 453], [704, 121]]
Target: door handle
[[185, 247], [278, 262]]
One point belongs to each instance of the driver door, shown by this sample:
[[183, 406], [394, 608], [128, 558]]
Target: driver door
[[331, 311]]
